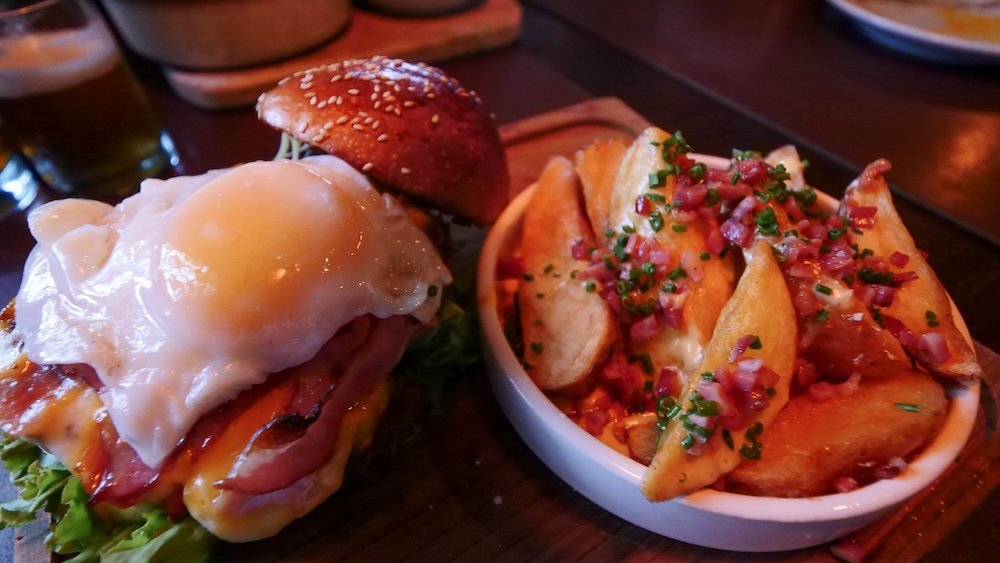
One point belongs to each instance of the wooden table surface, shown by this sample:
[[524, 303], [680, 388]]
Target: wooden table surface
[[748, 75]]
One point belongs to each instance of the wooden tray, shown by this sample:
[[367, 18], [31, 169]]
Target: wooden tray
[[492, 24], [468, 489]]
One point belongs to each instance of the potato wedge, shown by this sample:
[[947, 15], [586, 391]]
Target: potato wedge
[[760, 306], [915, 300], [811, 443], [705, 299], [567, 330], [641, 439], [597, 165]]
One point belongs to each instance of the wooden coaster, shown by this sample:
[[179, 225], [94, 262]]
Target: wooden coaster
[[492, 24]]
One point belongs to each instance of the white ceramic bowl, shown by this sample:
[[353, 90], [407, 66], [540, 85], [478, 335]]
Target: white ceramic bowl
[[709, 518]]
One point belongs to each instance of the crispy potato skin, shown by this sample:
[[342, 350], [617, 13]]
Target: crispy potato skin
[[811, 443], [913, 298], [575, 329], [760, 306], [597, 165], [706, 298]]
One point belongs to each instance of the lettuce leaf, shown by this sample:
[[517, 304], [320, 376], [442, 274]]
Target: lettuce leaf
[[444, 352], [139, 534]]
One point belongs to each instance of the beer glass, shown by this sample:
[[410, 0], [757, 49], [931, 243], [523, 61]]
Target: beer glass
[[18, 186], [71, 103]]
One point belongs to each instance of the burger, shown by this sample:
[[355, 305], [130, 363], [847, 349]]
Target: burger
[[202, 359]]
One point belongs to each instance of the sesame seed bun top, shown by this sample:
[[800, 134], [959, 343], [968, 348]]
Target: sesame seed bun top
[[408, 126]]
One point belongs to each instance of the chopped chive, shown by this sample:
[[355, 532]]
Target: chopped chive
[[590, 286], [705, 256], [656, 221], [932, 319], [548, 268], [537, 347], [679, 227], [908, 407], [822, 315], [825, 290], [528, 277], [756, 344], [687, 442], [677, 273]]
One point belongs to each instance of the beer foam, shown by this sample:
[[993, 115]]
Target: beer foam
[[50, 61]]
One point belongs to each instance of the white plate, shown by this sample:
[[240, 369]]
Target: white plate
[[709, 518], [967, 34]]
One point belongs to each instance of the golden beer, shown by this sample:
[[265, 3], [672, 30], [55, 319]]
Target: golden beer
[[77, 112]]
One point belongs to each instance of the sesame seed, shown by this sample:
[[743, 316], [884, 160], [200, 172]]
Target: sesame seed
[[435, 118], [312, 101], [407, 104], [431, 95], [328, 125], [303, 126], [382, 138], [397, 112], [368, 120], [404, 170], [321, 105], [368, 166], [353, 91], [377, 104], [342, 120], [376, 124], [377, 88], [355, 119], [336, 78], [374, 96], [283, 81], [358, 127]]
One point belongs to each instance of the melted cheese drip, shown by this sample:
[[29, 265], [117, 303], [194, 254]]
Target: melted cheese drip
[[198, 287]]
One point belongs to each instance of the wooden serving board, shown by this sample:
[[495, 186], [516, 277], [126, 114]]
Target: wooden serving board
[[467, 489], [491, 24]]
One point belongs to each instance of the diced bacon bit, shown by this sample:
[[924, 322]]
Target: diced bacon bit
[[597, 272], [643, 206], [792, 208], [805, 373], [580, 250], [883, 295], [804, 298], [814, 230], [644, 329], [732, 192], [796, 250], [715, 175], [668, 383], [862, 217], [714, 241], [903, 277], [840, 258], [744, 211], [865, 293], [930, 347], [753, 171], [737, 233], [849, 387], [898, 259], [821, 391], [741, 346], [803, 270], [751, 364], [898, 329], [674, 317], [844, 484], [714, 391], [692, 265], [510, 268], [690, 198], [594, 421]]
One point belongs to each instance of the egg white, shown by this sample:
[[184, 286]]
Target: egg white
[[200, 286]]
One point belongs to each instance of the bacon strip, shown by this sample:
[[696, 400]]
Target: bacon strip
[[294, 446]]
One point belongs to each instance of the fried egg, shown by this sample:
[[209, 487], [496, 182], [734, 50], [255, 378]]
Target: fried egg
[[198, 287]]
